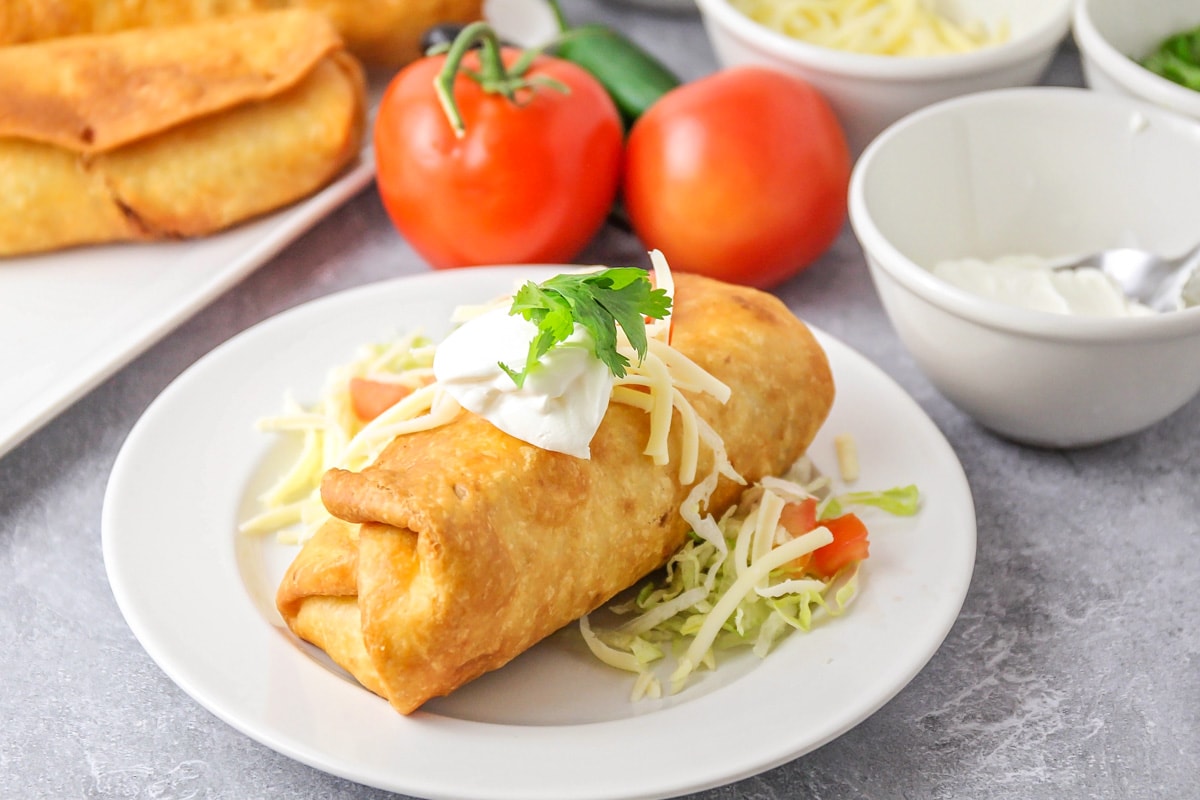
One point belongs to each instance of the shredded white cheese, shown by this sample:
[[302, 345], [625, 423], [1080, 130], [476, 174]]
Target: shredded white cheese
[[847, 457], [875, 27], [743, 586], [335, 437]]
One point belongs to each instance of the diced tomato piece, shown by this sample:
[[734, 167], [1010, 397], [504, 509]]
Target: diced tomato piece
[[797, 567], [849, 545], [371, 398], [799, 518]]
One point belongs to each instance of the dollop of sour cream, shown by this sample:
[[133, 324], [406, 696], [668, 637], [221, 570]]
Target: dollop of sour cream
[[1027, 281], [563, 400]]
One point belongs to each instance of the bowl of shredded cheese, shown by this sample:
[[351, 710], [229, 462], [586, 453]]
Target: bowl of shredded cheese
[[878, 60]]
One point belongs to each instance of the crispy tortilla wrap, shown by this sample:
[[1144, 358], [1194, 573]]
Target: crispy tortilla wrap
[[178, 133], [461, 546], [386, 33]]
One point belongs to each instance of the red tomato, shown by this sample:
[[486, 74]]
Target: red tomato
[[370, 398], [530, 181], [849, 545], [741, 176]]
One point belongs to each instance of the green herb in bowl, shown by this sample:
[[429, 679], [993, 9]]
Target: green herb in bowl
[[1177, 58]]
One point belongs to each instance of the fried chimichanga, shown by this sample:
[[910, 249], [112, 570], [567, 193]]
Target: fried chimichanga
[[386, 33], [180, 133], [461, 547]]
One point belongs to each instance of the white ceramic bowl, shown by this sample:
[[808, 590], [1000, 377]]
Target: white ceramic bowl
[[868, 92], [1046, 171], [1112, 33]]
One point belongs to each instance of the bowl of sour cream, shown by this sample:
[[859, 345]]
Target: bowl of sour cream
[[962, 207]]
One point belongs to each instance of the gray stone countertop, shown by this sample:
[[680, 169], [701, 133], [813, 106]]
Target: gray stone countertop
[[1073, 670]]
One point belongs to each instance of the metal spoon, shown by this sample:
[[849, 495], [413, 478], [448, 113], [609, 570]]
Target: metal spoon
[[1157, 282]]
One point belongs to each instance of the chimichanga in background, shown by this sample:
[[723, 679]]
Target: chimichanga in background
[[462, 546], [177, 132], [386, 33]]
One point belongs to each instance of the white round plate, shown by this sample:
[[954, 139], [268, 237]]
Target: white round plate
[[554, 723]]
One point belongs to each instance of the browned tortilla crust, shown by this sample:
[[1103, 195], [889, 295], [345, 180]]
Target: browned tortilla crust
[[92, 94], [130, 137], [472, 545], [382, 32]]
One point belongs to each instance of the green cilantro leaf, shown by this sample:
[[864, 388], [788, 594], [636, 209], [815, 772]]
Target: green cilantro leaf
[[599, 301]]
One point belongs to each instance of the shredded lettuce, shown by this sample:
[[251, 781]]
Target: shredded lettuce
[[902, 501], [747, 589]]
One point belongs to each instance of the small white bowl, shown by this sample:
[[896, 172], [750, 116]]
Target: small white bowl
[[1049, 172], [869, 92], [1112, 33]]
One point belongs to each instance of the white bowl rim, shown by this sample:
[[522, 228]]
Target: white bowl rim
[[1124, 70], [989, 313], [891, 68]]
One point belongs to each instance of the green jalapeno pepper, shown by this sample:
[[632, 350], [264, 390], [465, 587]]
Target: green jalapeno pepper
[[633, 78]]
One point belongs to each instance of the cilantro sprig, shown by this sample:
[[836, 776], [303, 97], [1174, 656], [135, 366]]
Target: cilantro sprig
[[599, 301]]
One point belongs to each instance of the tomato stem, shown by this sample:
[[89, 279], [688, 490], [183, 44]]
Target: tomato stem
[[489, 59], [493, 76]]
